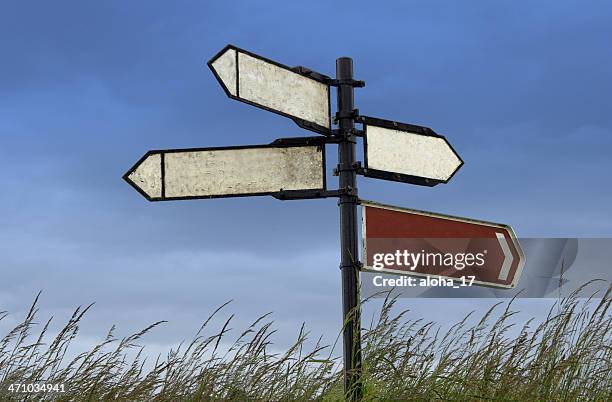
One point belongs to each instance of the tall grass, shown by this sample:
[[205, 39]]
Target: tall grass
[[567, 357]]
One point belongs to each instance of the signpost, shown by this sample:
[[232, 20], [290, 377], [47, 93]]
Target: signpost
[[297, 93], [294, 168], [407, 153], [410, 242], [273, 169]]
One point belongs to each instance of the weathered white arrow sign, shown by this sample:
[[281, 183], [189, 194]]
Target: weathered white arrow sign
[[407, 153], [228, 171], [247, 77]]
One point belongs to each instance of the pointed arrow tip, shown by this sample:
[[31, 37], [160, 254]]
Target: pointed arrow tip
[[146, 176], [455, 162], [223, 66]]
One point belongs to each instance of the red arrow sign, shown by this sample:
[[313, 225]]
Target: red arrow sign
[[409, 242]]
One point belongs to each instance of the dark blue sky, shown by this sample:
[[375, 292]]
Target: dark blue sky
[[521, 90]]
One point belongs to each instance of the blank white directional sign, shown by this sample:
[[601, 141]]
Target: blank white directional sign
[[267, 84], [407, 153], [228, 171]]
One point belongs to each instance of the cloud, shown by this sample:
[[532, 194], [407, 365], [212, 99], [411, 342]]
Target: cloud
[[520, 91]]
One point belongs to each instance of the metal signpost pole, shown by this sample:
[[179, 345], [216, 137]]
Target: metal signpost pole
[[347, 171]]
